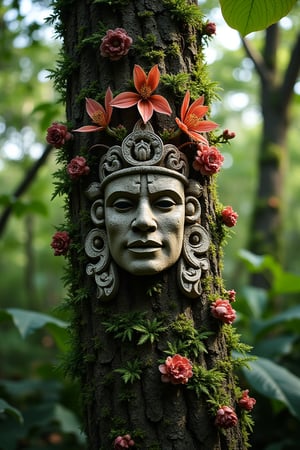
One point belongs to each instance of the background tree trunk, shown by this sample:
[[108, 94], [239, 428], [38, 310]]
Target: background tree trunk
[[155, 414], [277, 85]]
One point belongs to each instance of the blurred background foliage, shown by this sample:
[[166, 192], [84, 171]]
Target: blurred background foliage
[[38, 408]]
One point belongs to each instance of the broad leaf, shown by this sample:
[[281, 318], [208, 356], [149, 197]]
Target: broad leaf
[[6, 408], [275, 382], [253, 15], [289, 316], [282, 282], [29, 321], [69, 422]]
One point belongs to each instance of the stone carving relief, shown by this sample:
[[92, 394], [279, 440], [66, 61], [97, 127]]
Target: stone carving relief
[[146, 215]]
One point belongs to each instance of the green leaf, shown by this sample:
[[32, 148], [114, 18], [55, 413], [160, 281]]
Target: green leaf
[[289, 316], [6, 408], [282, 282], [29, 321], [253, 15], [68, 421], [275, 382]]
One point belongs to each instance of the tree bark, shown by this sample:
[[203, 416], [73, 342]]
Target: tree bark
[[157, 415]]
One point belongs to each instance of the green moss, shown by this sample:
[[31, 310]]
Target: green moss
[[184, 12], [272, 154], [145, 47], [176, 84], [145, 13]]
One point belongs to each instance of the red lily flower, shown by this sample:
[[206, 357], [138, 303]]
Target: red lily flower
[[192, 122], [99, 115], [145, 101]]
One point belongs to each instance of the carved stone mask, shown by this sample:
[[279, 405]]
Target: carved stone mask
[[144, 218], [146, 213]]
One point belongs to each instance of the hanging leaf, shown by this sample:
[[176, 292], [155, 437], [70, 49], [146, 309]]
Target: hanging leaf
[[253, 15], [6, 408], [29, 321], [275, 382]]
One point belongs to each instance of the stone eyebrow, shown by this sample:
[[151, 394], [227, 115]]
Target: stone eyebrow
[[121, 195], [167, 193]]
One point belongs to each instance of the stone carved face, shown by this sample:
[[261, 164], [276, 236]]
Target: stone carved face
[[144, 218]]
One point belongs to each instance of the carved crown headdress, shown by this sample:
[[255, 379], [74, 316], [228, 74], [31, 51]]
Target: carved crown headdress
[[143, 151]]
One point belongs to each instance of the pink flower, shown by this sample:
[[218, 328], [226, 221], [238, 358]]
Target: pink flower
[[229, 216], [57, 135], [115, 44], [222, 310], [247, 402], [208, 160], [226, 417], [191, 119], [60, 243], [231, 294], [210, 29], [228, 134], [145, 100], [99, 115], [123, 442], [176, 370], [77, 168]]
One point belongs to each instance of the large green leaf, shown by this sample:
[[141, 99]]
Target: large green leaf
[[6, 408], [282, 282], [275, 382], [29, 321], [290, 316], [252, 15]]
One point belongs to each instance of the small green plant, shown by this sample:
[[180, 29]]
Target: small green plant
[[176, 84], [123, 325], [156, 289], [150, 330], [131, 372], [205, 381], [190, 340]]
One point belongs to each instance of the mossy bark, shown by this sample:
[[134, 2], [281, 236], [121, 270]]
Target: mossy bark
[[157, 415]]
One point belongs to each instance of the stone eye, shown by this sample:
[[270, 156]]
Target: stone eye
[[165, 203], [122, 205]]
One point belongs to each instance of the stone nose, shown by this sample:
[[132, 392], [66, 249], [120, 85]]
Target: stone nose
[[144, 219]]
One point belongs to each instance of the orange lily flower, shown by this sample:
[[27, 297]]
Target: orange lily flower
[[99, 115], [192, 122], [146, 102]]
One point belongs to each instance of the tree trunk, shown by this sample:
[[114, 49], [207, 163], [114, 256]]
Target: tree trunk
[[276, 96], [267, 217], [121, 383]]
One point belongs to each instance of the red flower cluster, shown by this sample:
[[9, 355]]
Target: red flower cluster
[[77, 168], [227, 135], [229, 216], [222, 310], [57, 135], [231, 295], [226, 417], [115, 44], [60, 243], [123, 442], [210, 29], [208, 160], [176, 370], [246, 402]]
